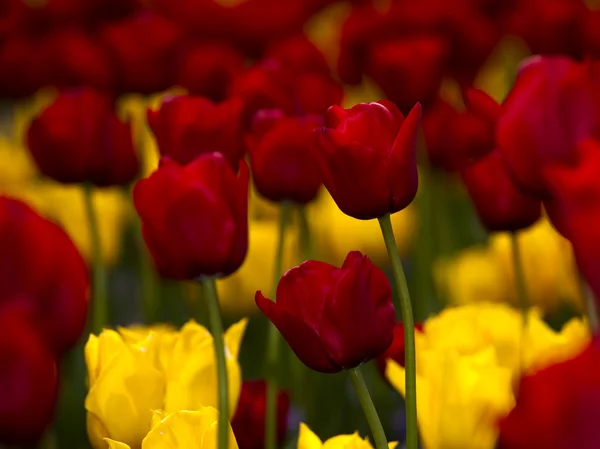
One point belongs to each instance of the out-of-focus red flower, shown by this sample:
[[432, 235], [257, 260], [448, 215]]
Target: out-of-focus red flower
[[207, 69], [396, 350], [28, 382], [557, 407], [333, 318], [42, 274], [455, 138], [282, 158], [248, 423], [142, 48], [574, 208], [367, 158], [186, 127], [78, 59], [22, 74], [591, 34], [271, 85], [553, 106], [195, 217], [299, 54], [78, 138], [12, 16], [501, 206]]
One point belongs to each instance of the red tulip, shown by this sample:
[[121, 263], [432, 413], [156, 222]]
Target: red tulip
[[28, 383], [195, 217], [500, 204], [78, 138], [300, 55], [42, 275], [367, 158], [15, 58], [333, 318], [208, 69], [281, 157], [142, 47], [186, 127], [557, 407], [248, 423], [396, 351], [553, 106]]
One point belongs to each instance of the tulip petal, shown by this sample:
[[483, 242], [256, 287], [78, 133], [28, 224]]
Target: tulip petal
[[302, 339], [307, 439], [112, 444]]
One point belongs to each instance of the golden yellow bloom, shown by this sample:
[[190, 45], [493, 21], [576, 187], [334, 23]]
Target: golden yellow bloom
[[308, 440], [236, 292], [182, 430], [487, 273], [17, 170], [469, 358], [131, 372], [336, 234]]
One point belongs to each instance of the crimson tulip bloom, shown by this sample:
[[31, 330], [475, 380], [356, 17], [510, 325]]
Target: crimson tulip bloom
[[42, 275], [281, 157], [553, 106], [78, 138], [28, 382], [248, 423], [367, 157], [195, 217], [396, 351], [333, 318], [299, 54], [186, 127], [557, 407], [500, 204]]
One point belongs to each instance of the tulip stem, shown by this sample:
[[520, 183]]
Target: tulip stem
[[216, 326], [360, 386], [409, 332], [273, 338], [520, 282], [99, 306], [589, 303]]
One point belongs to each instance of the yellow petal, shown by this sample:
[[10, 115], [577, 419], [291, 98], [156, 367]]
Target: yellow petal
[[112, 444], [233, 337], [307, 439], [96, 431]]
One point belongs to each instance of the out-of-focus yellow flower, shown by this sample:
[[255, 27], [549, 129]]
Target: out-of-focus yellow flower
[[336, 233], [236, 292], [307, 439], [469, 358], [17, 169], [459, 397], [28, 108], [132, 372], [182, 430], [487, 273]]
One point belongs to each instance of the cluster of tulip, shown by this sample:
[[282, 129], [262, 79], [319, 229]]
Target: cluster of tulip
[[226, 94]]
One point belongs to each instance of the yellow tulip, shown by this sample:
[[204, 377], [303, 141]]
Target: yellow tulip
[[134, 371], [336, 233], [17, 169], [308, 440], [236, 292], [182, 430]]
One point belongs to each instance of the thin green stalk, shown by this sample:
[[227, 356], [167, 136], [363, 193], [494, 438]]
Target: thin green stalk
[[589, 304], [273, 338], [149, 281], [216, 326], [522, 294], [306, 246], [99, 305], [409, 332], [358, 381]]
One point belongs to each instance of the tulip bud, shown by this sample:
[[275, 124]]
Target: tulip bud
[[333, 318], [367, 158]]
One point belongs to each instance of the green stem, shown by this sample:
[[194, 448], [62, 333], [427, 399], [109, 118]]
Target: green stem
[[216, 326], [520, 281], [306, 247], [409, 332], [589, 303], [149, 281], [368, 407], [99, 306], [273, 338]]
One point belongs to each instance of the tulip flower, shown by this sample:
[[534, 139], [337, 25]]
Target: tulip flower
[[309, 440], [134, 371], [186, 127], [367, 157], [43, 275], [319, 308], [182, 429], [281, 157], [396, 351], [248, 423], [556, 407], [299, 54], [194, 217], [29, 380], [78, 138]]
